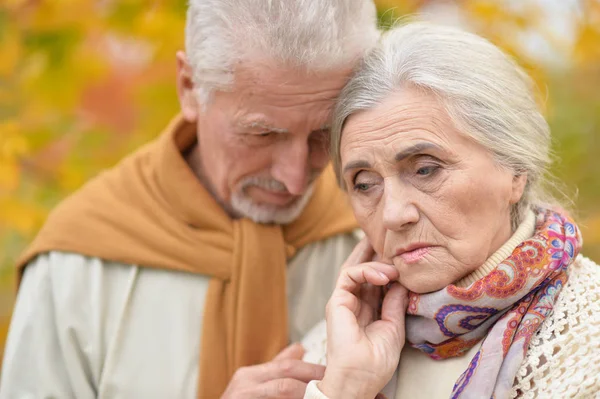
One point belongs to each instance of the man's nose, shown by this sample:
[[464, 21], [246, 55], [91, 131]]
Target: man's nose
[[399, 209], [291, 167]]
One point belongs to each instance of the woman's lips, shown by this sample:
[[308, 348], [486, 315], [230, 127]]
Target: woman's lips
[[414, 255]]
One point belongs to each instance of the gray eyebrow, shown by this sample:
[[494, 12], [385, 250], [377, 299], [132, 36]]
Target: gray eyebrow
[[356, 165], [263, 125], [415, 149], [412, 150]]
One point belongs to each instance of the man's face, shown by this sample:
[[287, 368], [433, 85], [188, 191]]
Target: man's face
[[262, 144]]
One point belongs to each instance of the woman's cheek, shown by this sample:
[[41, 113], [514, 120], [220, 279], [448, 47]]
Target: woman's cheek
[[378, 243], [365, 210], [361, 208], [374, 233]]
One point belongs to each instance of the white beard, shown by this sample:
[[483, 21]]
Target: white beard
[[245, 206]]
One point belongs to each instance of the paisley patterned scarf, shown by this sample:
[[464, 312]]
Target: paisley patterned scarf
[[504, 308]]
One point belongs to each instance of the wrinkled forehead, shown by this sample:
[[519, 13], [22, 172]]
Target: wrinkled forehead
[[289, 84], [405, 115], [285, 98]]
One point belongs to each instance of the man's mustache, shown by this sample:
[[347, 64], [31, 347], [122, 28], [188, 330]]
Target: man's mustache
[[271, 184]]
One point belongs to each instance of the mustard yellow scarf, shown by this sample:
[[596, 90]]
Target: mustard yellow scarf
[[151, 211]]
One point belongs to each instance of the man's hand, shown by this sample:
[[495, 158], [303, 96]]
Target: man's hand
[[363, 347], [286, 376]]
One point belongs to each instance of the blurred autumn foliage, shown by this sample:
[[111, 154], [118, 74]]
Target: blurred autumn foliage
[[84, 82]]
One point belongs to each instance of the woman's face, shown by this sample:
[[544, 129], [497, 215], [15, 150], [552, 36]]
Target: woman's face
[[431, 200]]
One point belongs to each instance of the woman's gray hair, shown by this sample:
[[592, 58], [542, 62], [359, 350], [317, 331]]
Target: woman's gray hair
[[486, 94], [315, 34]]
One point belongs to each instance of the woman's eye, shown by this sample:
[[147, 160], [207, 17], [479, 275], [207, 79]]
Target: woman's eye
[[361, 186], [265, 134], [364, 181], [427, 170]]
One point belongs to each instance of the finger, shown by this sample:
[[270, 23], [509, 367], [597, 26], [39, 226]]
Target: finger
[[293, 351], [281, 388], [341, 299], [363, 252], [394, 307], [264, 372], [371, 299], [292, 368], [372, 295], [351, 278]]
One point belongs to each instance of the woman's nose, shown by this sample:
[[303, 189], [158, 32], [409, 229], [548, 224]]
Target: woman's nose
[[399, 209]]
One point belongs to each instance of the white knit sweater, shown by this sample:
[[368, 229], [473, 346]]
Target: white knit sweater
[[563, 358]]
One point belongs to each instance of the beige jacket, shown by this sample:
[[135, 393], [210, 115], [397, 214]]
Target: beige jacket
[[84, 328]]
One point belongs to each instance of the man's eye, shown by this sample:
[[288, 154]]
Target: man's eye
[[320, 135], [265, 134]]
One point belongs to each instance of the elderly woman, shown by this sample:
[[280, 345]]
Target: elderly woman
[[443, 151]]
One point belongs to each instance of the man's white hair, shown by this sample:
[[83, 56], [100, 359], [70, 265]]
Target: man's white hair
[[315, 34], [486, 94]]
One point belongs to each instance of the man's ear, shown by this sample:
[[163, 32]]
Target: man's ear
[[518, 187], [185, 89]]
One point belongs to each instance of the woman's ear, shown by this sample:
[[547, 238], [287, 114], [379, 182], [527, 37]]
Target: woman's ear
[[518, 187], [185, 89]]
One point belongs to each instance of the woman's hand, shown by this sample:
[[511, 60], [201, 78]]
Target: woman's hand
[[363, 349]]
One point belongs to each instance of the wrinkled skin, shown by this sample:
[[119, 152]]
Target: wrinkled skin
[[434, 205], [262, 144], [432, 201]]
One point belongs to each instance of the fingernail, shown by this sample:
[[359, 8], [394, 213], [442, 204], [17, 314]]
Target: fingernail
[[383, 275]]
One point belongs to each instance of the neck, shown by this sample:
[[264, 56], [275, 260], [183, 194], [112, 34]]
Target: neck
[[192, 158]]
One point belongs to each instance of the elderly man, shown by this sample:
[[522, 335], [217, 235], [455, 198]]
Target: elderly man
[[163, 276]]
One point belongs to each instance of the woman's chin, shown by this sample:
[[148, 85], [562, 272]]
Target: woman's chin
[[423, 281], [428, 273], [420, 285], [422, 290]]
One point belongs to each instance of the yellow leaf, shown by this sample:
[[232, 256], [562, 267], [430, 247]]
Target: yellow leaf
[[12, 143], [13, 147], [587, 46], [10, 53], [10, 175], [401, 5], [14, 4], [22, 217], [591, 230], [50, 15], [70, 178]]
